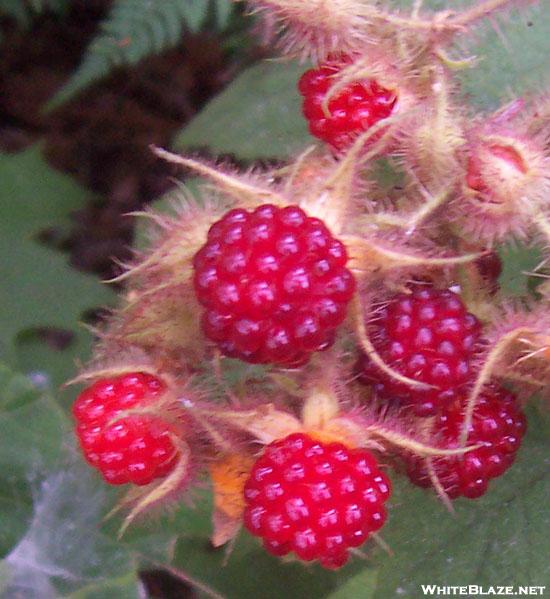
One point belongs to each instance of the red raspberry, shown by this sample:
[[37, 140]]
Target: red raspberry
[[316, 499], [353, 110], [274, 285], [135, 449], [498, 424], [427, 336]]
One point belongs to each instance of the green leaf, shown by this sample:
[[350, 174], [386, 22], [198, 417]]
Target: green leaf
[[517, 261], [513, 54], [23, 12], [359, 585], [39, 288], [16, 390], [29, 443], [249, 571], [498, 539], [257, 116], [135, 29]]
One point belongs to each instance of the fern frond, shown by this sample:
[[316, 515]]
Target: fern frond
[[23, 12], [135, 29]]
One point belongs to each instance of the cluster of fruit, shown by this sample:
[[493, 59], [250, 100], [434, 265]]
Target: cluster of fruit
[[275, 286], [357, 311]]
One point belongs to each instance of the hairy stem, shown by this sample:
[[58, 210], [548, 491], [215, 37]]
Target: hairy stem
[[441, 493], [412, 221], [417, 447], [233, 186], [476, 12], [395, 259], [541, 222], [484, 376], [369, 349]]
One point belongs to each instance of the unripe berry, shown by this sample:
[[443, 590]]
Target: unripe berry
[[505, 185], [134, 448], [315, 499]]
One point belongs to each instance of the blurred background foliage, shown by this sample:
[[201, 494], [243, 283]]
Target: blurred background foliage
[[85, 87]]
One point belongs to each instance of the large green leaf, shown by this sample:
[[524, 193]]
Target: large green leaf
[[16, 389], [498, 539], [39, 289], [517, 262], [257, 116], [249, 571], [30, 441], [512, 53]]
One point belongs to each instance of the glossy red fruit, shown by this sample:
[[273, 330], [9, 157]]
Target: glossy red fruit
[[427, 336], [274, 285], [315, 499], [134, 449], [353, 110], [498, 425]]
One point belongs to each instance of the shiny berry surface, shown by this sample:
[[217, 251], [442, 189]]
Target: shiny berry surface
[[315, 499], [273, 283], [498, 425], [134, 449], [352, 110], [427, 336]]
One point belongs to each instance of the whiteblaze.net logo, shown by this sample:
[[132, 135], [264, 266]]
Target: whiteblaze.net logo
[[474, 590]]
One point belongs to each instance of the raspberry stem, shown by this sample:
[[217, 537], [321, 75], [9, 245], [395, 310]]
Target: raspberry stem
[[368, 347], [489, 365], [441, 493], [476, 12], [541, 221], [417, 447], [245, 193], [411, 221], [167, 485]]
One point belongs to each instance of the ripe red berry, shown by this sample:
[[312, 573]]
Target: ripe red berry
[[315, 499], [274, 285], [427, 336], [134, 449], [353, 110], [498, 424]]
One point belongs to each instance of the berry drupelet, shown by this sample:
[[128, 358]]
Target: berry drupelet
[[315, 499], [427, 336], [133, 449], [274, 285], [498, 424], [353, 109]]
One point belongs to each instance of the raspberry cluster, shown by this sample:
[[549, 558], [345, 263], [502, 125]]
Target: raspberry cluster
[[315, 499], [427, 336], [133, 449], [498, 424], [352, 110], [274, 285]]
